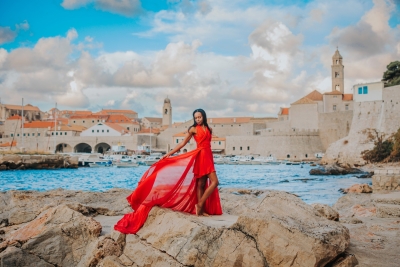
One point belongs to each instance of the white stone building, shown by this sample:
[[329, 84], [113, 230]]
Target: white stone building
[[368, 91], [106, 129]]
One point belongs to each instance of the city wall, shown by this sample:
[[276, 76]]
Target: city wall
[[370, 118], [334, 126], [79, 143], [297, 146]]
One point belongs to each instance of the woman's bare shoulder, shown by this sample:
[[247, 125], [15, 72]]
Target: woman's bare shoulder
[[192, 130]]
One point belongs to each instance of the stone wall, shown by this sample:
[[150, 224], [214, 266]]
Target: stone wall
[[334, 126], [368, 117], [304, 116], [297, 146], [24, 162], [387, 179]]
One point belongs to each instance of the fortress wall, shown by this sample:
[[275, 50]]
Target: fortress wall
[[304, 116], [290, 132], [382, 115], [279, 125], [334, 126], [279, 146], [46, 144]]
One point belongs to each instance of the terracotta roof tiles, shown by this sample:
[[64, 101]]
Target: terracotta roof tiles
[[315, 96], [304, 100]]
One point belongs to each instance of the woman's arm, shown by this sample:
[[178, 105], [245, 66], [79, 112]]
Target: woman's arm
[[181, 144]]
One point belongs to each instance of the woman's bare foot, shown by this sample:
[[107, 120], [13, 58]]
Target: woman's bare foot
[[206, 214]]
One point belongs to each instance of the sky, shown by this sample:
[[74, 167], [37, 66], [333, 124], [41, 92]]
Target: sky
[[229, 57]]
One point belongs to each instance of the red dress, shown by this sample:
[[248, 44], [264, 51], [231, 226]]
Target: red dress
[[171, 183]]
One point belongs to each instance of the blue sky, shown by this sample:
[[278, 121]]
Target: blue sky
[[233, 58]]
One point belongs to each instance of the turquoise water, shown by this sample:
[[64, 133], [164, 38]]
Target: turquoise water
[[294, 179]]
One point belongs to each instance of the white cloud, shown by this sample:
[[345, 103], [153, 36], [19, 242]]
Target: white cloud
[[23, 26], [6, 35], [123, 7]]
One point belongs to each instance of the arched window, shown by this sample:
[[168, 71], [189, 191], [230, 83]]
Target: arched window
[[288, 156]]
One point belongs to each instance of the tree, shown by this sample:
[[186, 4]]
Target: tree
[[391, 77]]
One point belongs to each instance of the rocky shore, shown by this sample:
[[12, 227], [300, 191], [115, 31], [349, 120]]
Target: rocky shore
[[258, 228], [37, 162]]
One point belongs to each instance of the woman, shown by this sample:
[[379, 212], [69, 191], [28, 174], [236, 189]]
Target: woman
[[179, 183]]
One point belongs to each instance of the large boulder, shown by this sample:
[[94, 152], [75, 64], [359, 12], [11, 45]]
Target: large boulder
[[335, 170], [18, 207], [58, 236]]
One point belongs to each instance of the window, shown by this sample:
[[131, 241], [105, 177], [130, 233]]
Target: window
[[177, 141], [360, 90], [92, 131], [33, 134], [38, 134], [52, 133], [65, 133], [12, 135], [248, 148], [127, 128], [56, 133], [166, 111], [92, 120], [240, 148], [60, 133], [347, 106], [102, 131], [24, 134], [336, 74], [17, 134], [219, 142], [365, 90], [98, 120], [288, 156], [28, 134], [334, 107], [98, 131], [108, 131], [74, 121]]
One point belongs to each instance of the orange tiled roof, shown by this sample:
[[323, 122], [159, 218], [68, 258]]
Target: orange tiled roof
[[336, 92], [315, 96], [27, 107], [15, 117], [119, 118], [39, 124], [75, 128], [147, 130], [284, 111], [304, 100], [229, 120], [181, 134], [91, 116], [116, 111], [14, 143], [347, 97]]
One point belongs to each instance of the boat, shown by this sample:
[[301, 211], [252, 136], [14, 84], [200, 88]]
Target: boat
[[270, 161], [246, 160], [125, 165], [86, 159], [153, 158], [218, 159]]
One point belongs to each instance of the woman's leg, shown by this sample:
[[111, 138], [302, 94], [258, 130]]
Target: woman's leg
[[214, 183], [201, 184]]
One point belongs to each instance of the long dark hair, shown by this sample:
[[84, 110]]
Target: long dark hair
[[203, 114]]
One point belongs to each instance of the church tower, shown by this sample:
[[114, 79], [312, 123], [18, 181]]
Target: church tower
[[167, 113], [337, 72]]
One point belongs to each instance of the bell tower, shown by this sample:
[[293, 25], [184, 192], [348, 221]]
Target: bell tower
[[167, 112], [337, 72]]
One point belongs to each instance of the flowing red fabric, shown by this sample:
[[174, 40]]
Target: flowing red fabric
[[172, 183]]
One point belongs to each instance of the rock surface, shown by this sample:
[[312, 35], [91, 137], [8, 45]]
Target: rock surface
[[37, 162], [357, 188], [258, 228], [374, 240], [335, 170]]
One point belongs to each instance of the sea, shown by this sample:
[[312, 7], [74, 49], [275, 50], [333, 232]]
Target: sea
[[291, 178]]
